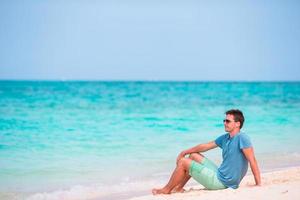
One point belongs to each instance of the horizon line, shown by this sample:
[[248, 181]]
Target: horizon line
[[142, 80]]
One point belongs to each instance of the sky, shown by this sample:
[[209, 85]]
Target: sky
[[257, 40]]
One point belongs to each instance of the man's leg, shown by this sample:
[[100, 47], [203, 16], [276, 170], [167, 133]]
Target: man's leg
[[196, 157], [177, 177]]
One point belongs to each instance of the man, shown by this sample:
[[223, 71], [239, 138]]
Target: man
[[237, 151]]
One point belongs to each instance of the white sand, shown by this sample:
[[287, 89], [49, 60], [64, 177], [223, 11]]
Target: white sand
[[284, 184]]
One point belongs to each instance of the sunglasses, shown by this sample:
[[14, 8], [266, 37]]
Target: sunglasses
[[227, 121]]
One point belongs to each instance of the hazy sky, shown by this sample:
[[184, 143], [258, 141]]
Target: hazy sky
[[150, 40]]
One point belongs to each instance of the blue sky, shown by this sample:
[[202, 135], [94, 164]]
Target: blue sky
[[150, 40]]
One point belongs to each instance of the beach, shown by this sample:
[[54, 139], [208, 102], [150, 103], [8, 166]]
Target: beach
[[100, 100], [278, 185]]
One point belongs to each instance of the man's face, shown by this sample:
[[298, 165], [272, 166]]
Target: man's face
[[230, 124]]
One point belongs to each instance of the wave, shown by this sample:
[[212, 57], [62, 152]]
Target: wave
[[123, 190]]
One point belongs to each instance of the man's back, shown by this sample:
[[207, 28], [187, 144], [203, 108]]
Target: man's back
[[234, 165]]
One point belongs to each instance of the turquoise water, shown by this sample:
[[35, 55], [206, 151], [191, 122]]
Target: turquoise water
[[109, 139]]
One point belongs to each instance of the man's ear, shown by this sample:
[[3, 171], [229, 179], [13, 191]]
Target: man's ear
[[239, 124]]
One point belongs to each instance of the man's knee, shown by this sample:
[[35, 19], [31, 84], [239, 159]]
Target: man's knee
[[185, 163]]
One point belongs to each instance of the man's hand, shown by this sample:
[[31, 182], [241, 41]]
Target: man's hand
[[181, 155], [253, 185]]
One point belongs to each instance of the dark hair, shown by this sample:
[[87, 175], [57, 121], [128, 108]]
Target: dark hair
[[238, 116]]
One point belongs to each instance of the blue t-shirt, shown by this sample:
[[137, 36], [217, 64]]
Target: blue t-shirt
[[235, 165]]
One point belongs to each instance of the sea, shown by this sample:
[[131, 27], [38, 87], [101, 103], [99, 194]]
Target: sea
[[118, 139]]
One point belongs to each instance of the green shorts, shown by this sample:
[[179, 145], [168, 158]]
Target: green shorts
[[205, 173]]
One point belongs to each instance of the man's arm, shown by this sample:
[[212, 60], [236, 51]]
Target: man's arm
[[249, 154], [198, 148]]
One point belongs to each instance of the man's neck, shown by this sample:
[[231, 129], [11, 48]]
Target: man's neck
[[234, 132]]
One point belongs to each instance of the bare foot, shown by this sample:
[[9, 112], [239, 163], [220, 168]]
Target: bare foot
[[178, 190], [160, 191]]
